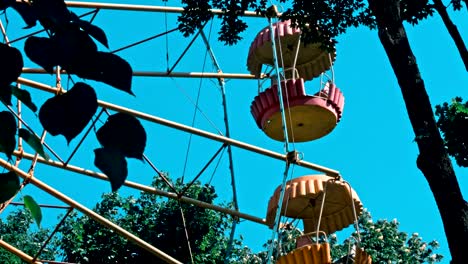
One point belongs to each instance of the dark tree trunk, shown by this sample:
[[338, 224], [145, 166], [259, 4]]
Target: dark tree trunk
[[433, 160], [453, 31]]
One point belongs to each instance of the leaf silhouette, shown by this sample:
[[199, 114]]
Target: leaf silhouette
[[76, 52], [33, 141], [24, 96], [42, 52], [92, 30], [11, 64], [7, 133], [124, 133], [9, 185], [34, 208], [52, 14], [27, 12], [107, 68], [5, 94], [69, 113], [113, 164], [73, 47], [4, 4]]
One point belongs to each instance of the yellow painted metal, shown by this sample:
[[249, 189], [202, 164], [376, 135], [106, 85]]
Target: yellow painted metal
[[304, 123], [362, 257], [310, 254], [25, 257]]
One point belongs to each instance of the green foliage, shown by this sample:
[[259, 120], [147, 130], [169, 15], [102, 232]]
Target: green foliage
[[9, 185], [34, 208], [323, 21], [381, 239], [24, 96], [154, 219], [386, 244], [329, 18], [453, 122], [16, 230], [33, 141]]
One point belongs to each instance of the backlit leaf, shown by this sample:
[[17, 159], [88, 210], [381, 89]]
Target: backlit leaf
[[4, 4], [41, 51], [92, 30], [11, 64], [107, 68], [24, 96], [73, 47], [27, 12], [33, 141], [52, 14], [113, 164], [69, 113], [34, 208], [5, 94], [7, 133], [124, 133], [9, 185]]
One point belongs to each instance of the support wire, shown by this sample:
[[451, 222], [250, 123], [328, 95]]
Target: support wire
[[222, 85], [286, 139]]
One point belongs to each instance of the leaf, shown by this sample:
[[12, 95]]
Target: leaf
[[11, 64], [33, 141], [24, 96], [34, 208], [7, 133], [41, 51], [5, 94], [92, 30], [124, 133], [113, 164], [69, 113], [52, 14], [4, 4], [461, 108], [107, 68], [27, 12], [73, 47], [9, 185]]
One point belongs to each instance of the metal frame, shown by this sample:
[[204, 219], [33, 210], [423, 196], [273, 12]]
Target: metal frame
[[72, 204]]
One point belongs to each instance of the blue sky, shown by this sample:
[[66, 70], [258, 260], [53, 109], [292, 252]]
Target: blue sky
[[372, 146]]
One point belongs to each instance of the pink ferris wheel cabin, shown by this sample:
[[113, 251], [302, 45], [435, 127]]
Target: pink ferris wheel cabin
[[309, 60], [308, 117]]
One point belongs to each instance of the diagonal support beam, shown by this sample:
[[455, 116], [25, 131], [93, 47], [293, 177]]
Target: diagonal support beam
[[18, 252], [198, 132], [98, 218], [146, 189]]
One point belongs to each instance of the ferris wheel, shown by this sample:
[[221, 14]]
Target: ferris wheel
[[284, 110]]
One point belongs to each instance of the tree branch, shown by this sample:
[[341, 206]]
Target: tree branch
[[433, 160], [453, 30]]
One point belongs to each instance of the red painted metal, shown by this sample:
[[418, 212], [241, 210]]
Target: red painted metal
[[267, 103]]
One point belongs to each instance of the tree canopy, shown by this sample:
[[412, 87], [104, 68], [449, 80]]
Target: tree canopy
[[159, 221]]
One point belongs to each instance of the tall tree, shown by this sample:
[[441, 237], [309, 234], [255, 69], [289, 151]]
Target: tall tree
[[433, 159]]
